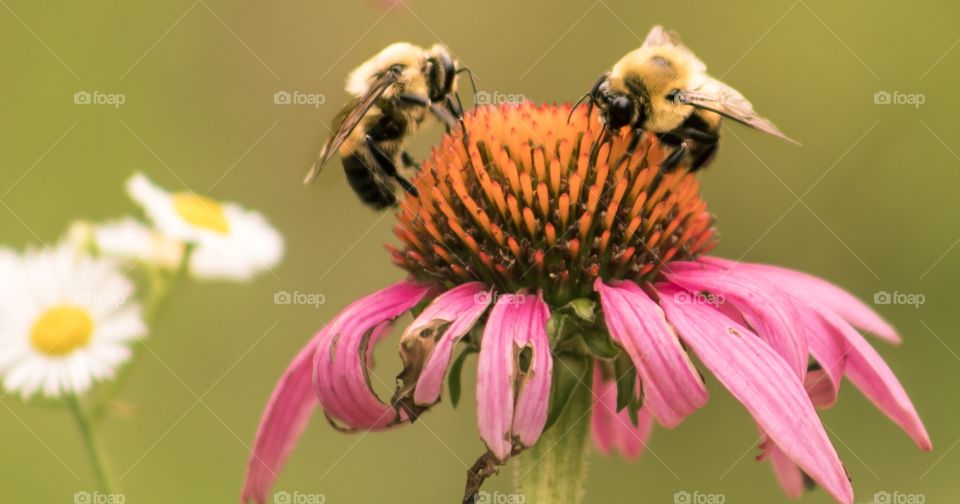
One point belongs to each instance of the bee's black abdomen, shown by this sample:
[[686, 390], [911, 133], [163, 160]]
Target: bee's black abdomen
[[362, 182]]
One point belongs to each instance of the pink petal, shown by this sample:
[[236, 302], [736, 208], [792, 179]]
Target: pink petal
[[495, 376], [283, 420], [766, 309], [672, 386], [515, 321], [766, 386], [788, 474], [809, 287], [461, 306], [826, 345], [533, 397], [871, 374], [343, 356], [612, 430], [603, 416]]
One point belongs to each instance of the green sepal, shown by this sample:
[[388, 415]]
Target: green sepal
[[454, 375], [628, 395], [569, 372]]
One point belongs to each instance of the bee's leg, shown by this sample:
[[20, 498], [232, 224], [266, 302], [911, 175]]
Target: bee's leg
[[456, 106], [388, 166], [595, 148], [703, 148], [408, 161], [435, 108], [676, 140]]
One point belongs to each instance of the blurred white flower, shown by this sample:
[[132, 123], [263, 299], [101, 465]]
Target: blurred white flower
[[66, 320], [132, 240], [230, 242]]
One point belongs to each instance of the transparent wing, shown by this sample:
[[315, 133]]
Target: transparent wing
[[718, 97], [348, 119]]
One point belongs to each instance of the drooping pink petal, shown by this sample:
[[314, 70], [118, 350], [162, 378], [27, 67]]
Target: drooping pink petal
[[788, 474], [766, 309], [611, 430], [829, 349], [764, 384], [533, 397], [603, 416], [809, 287], [515, 322], [672, 386], [461, 307], [495, 375], [825, 344], [283, 421], [292, 402], [821, 389], [343, 356], [871, 374]]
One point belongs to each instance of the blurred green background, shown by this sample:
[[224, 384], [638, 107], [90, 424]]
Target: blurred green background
[[868, 201]]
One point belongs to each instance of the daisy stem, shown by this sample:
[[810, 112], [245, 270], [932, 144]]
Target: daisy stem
[[94, 450], [161, 289], [554, 470]]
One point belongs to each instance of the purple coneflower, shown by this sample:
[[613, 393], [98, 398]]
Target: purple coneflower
[[577, 270]]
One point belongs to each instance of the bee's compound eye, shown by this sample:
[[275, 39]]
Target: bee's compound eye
[[620, 112]]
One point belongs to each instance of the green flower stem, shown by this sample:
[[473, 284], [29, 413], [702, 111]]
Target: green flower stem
[[555, 469], [94, 450], [161, 290]]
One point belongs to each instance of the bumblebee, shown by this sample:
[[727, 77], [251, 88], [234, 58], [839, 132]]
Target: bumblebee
[[663, 88], [393, 92]]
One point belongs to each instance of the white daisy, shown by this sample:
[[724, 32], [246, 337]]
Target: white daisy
[[66, 321], [229, 242], [132, 240]]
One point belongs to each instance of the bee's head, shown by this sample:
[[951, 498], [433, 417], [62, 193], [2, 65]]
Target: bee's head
[[440, 70], [619, 107]]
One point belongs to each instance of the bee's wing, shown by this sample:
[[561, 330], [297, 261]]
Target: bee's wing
[[349, 118], [718, 97], [660, 36]]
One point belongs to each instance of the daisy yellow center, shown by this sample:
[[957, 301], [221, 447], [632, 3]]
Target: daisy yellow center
[[201, 212], [61, 330]]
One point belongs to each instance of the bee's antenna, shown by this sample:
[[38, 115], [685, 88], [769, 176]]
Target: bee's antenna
[[473, 83], [577, 104]]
